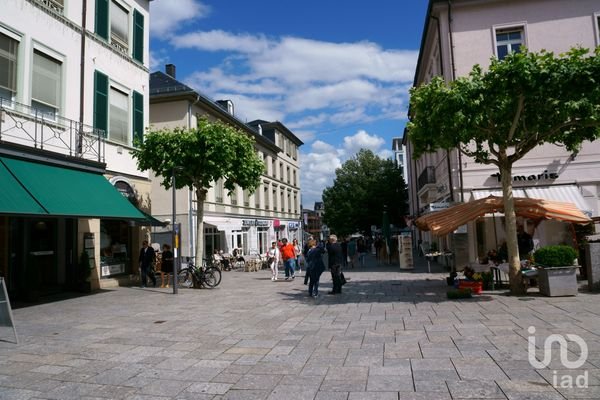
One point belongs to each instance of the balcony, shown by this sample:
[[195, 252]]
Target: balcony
[[26, 126], [426, 177]]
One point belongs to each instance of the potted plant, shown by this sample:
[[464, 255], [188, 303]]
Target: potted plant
[[557, 273]]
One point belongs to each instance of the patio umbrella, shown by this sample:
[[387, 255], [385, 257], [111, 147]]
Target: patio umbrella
[[443, 222]]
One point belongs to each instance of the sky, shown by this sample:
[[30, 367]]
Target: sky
[[336, 73]]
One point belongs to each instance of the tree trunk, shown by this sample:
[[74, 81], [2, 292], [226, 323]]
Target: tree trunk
[[516, 281], [200, 198]]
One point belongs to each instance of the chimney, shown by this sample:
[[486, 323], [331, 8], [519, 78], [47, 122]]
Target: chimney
[[170, 70]]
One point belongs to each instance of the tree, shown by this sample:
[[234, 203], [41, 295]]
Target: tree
[[362, 187], [198, 158], [497, 117]]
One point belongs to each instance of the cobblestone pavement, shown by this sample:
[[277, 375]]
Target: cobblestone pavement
[[390, 335]]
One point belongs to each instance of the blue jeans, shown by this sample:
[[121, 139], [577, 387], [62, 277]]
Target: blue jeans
[[313, 286], [290, 265]]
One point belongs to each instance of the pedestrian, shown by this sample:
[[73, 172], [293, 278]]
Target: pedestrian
[[352, 251], [166, 265], [288, 255], [344, 245], [298, 253], [361, 247], [146, 261], [315, 267], [273, 256], [334, 251], [378, 247], [305, 250]]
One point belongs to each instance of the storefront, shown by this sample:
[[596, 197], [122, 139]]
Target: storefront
[[51, 213]]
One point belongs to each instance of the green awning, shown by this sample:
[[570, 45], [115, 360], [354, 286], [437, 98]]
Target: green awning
[[68, 192], [14, 199]]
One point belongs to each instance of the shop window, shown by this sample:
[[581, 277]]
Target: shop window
[[115, 248], [212, 240]]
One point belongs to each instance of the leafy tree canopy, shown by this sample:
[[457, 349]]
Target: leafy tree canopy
[[362, 187], [499, 115], [199, 157]]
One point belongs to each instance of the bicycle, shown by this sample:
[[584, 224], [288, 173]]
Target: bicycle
[[193, 276]]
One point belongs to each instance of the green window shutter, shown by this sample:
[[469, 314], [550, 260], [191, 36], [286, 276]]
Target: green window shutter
[[138, 119], [102, 18], [138, 36], [101, 102]]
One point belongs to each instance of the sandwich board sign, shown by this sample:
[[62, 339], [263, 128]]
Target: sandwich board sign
[[6, 318]]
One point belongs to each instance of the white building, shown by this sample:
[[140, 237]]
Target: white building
[[459, 34], [242, 220], [400, 156], [73, 96]]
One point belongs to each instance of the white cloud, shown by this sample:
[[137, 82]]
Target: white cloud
[[168, 16], [218, 40], [362, 140]]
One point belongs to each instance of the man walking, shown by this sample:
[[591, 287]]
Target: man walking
[[335, 258], [288, 255], [147, 257]]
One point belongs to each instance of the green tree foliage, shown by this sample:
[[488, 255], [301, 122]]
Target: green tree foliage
[[199, 157], [361, 189], [498, 116]]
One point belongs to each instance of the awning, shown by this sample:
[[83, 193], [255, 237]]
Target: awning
[[443, 222], [14, 199], [224, 224], [564, 193], [66, 192]]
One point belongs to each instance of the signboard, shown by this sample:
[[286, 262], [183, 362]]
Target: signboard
[[293, 225], [112, 269], [256, 222], [6, 318], [438, 206]]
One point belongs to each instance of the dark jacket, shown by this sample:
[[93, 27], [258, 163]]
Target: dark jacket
[[335, 254], [314, 258], [147, 256]]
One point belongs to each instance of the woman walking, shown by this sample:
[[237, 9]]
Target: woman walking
[[166, 266], [315, 267], [273, 260], [297, 252]]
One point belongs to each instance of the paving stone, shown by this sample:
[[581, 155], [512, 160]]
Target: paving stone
[[383, 383], [373, 396], [475, 390], [250, 381]]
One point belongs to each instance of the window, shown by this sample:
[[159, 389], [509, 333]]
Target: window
[[508, 41], [119, 116], [266, 196], [46, 84], [246, 198], [295, 178], [112, 22], [219, 191], [233, 197], [295, 202], [257, 199], [119, 27], [288, 174], [274, 199], [281, 204], [273, 168], [281, 171], [8, 67], [289, 200]]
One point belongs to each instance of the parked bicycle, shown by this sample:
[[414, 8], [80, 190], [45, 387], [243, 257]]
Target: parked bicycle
[[207, 275]]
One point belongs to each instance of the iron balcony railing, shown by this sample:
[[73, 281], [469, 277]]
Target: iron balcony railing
[[27, 126], [427, 176]]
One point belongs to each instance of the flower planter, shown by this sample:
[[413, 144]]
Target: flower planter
[[558, 281], [475, 286]]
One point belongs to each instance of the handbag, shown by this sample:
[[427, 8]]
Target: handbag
[[270, 260]]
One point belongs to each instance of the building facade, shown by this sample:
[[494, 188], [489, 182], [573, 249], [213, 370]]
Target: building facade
[[73, 96], [240, 220], [400, 156], [460, 34]]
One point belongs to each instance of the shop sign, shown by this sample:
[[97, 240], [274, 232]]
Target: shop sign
[[533, 177], [256, 222], [112, 269], [293, 225]]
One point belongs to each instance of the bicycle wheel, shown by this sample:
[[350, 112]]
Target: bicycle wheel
[[212, 277], [184, 278]]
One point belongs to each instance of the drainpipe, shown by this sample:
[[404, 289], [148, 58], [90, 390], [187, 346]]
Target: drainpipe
[[453, 70], [79, 140]]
